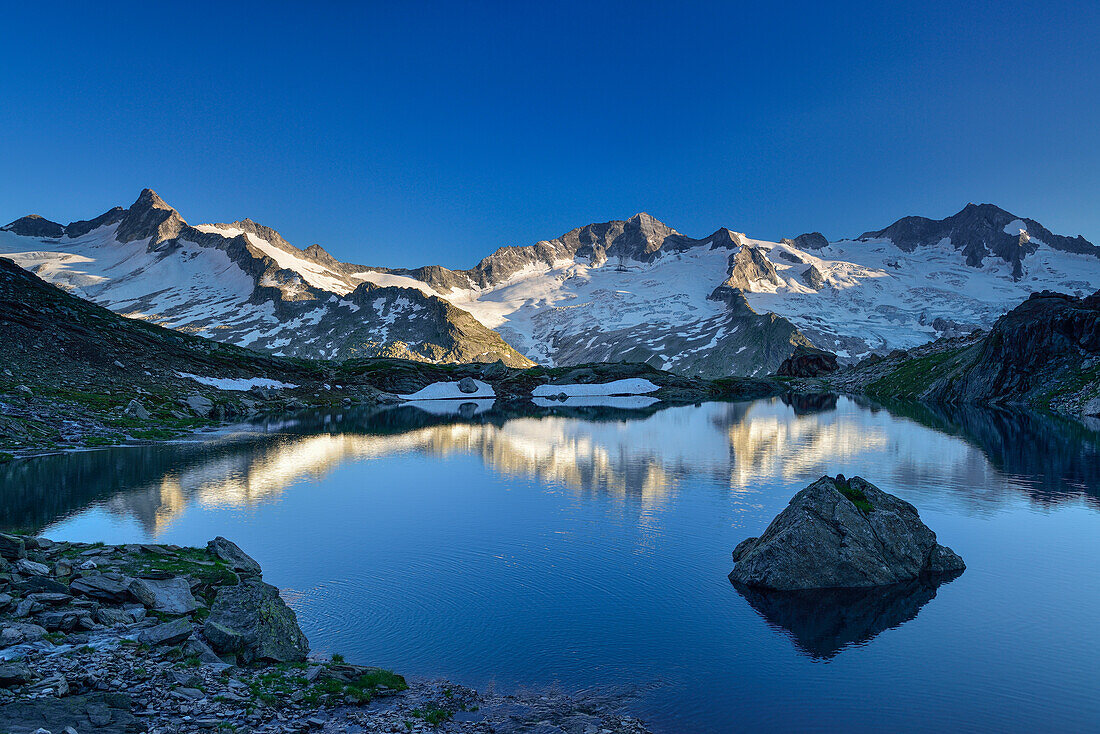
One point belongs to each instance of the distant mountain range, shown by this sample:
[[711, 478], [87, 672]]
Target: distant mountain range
[[630, 290]]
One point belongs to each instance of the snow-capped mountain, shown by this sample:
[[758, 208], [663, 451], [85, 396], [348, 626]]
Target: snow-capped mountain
[[242, 283], [728, 304], [634, 290]]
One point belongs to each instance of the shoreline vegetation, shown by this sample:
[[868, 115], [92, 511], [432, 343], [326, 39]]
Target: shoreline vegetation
[[162, 638]]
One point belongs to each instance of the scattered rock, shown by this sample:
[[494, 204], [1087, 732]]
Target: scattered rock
[[467, 385], [31, 568], [169, 633], [173, 681], [840, 533], [15, 674], [252, 621], [12, 547], [200, 405], [136, 410], [103, 587], [103, 713], [41, 584], [228, 551], [14, 633], [170, 595]]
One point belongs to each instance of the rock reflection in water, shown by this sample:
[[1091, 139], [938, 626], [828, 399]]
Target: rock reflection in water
[[824, 622]]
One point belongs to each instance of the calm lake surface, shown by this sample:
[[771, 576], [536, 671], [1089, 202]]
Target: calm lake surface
[[588, 549]]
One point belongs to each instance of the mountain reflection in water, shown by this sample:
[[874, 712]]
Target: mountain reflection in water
[[642, 455]]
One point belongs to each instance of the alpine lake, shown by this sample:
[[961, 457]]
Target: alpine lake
[[586, 548]]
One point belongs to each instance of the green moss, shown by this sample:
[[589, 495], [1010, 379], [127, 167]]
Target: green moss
[[153, 434], [432, 715], [5, 457], [362, 689], [108, 440], [856, 496], [912, 378], [1069, 382], [193, 562]]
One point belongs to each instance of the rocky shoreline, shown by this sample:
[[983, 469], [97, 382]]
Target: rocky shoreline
[[165, 639]]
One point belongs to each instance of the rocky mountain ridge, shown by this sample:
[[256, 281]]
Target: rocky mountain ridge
[[626, 290], [244, 284]]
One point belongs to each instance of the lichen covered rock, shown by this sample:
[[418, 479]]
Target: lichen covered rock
[[252, 621]]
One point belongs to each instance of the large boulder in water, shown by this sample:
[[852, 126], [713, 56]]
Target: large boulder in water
[[252, 621], [839, 533]]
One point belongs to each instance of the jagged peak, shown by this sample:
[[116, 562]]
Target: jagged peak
[[649, 223], [149, 199], [646, 218], [150, 217], [971, 206]]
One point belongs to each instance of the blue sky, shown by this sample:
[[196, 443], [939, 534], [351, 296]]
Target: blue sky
[[408, 133]]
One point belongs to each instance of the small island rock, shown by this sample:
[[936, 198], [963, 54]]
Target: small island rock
[[839, 533]]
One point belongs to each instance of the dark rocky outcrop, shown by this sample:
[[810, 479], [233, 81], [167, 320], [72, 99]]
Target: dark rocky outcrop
[[813, 277], [1048, 340], [810, 241], [84, 226], [839, 533], [747, 266], [808, 362], [33, 225]]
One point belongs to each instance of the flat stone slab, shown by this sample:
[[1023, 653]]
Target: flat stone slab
[[169, 633], [171, 595]]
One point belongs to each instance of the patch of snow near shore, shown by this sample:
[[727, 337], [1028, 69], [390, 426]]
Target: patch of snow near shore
[[238, 383], [450, 391], [625, 402], [630, 386]]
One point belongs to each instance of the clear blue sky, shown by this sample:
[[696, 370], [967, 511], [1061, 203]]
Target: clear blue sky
[[405, 133]]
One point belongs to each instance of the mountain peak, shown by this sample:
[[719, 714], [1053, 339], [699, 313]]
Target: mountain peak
[[151, 200], [149, 217], [979, 231], [35, 225]]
